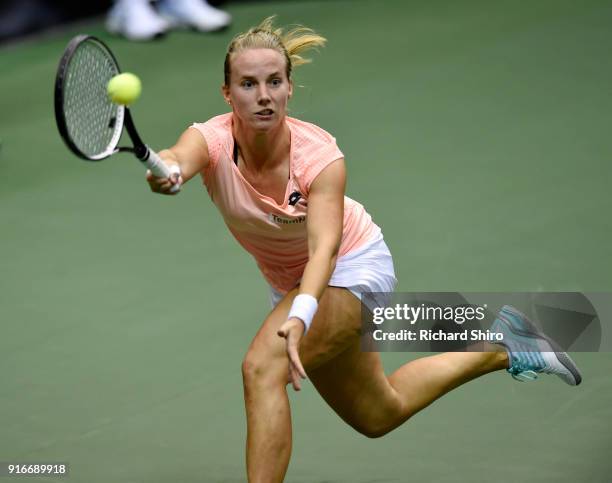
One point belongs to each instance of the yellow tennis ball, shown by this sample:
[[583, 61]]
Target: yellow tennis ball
[[124, 88]]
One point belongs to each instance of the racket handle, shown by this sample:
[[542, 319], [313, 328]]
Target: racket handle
[[157, 166]]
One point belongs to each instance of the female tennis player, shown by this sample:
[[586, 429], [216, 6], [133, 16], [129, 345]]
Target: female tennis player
[[279, 184]]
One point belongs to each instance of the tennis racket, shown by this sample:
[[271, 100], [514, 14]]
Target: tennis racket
[[88, 121]]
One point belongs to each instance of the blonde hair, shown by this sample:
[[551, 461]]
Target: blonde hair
[[290, 44]]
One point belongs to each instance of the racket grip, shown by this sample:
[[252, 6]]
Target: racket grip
[[159, 169], [156, 164]]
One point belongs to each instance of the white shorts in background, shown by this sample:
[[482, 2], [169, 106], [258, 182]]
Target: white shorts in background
[[367, 269]]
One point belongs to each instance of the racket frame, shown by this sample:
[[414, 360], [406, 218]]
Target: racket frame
[[123, 118], [59, 98]]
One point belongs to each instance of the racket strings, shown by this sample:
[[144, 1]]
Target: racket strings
[[94, 123]]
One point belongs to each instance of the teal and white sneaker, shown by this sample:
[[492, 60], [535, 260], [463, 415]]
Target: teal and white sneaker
[[530, 351]]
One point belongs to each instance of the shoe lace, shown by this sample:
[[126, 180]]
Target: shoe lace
[[521, 372]]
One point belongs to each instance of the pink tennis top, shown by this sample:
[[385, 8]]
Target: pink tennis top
[[275, 235]]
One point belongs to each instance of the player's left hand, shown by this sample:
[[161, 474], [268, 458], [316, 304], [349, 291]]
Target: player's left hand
[[292, 331]]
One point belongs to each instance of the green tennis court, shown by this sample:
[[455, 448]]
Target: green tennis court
[[476, 133]]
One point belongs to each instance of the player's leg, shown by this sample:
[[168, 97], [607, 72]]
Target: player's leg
[[351, 381], [354, 384], [265, 377]]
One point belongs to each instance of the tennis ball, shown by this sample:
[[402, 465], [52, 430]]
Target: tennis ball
[[124, 88]]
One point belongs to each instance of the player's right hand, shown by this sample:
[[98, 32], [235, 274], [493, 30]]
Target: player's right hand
[[165, 186], [293, 331]]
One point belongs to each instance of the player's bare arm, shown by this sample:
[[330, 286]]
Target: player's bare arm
[[189, 155], [325, 216]]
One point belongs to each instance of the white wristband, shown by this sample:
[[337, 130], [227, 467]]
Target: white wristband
[[304, 307]]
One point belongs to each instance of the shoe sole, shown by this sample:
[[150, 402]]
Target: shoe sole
[[532, 331], [193, 28], [157, 36], [215, 30]]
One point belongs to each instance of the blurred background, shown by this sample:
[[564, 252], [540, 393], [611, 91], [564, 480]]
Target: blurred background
[[20, 18], [476, 133]]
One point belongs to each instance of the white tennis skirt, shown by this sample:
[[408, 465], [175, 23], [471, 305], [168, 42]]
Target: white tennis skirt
[[367, 272]]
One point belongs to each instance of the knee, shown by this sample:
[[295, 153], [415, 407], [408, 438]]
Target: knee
[[262, 370], [378, 424], [373, 430]]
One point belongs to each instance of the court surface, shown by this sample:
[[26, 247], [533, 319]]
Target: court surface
[[476, 134]]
